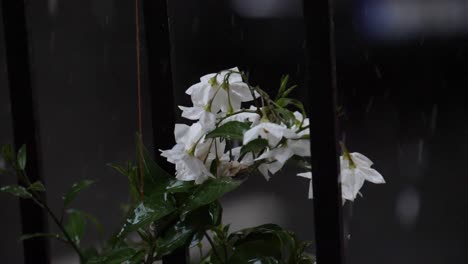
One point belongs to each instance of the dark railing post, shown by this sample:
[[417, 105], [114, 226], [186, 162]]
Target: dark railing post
[[321, 80], [158, 50], [25, 124]]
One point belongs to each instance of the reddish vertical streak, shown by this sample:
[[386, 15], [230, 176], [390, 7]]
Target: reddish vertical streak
[[140, 122]]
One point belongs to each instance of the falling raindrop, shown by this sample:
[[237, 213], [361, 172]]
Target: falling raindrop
[[434, 118], [378, 72], [408, 205], [52, 6], [196, 25], [369, 104], [420, 150], [52, 42]]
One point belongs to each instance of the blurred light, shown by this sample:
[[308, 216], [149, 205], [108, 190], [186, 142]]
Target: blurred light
[[393, 19], [407, 207], [52, 5], [267, 8]]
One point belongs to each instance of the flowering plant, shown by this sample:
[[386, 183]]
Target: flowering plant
[[237, 130]]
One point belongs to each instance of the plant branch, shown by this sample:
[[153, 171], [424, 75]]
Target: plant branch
[[60, 226], [212, 245]]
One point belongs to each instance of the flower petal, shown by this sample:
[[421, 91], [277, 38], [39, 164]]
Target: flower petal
[[373, 175]]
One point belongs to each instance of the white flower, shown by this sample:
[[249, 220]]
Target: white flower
[[269, 168], [355, 169], [231, 168], [189, 153], [304, 123], [308, 175], [224, 91], [207, 119], [188, 136], [254, 118], [188, 167], [299, 147], [272, 132], [353, 175]]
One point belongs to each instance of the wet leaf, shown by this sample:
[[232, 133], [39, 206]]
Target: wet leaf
[[75, 190], [119, 256], [255, 145], [75, 225], [22, 157], [209, 191], [37, 187], [151, 209], [18, 191], [230, 130]]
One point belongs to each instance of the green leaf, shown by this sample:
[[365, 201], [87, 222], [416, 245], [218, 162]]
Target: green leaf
[[289, 90], [155, 178], [18, 191], [255, 145], [177, 236], [99, 227], [190, 229], [131, 172], [8, 153], [22, 157], [75, 226], [37, 187], [230, 130], [176, 186], [265, 241], [40, 235], [75, 189], [283, 85], [210, 191], [119, 256], [284, 102], [151, 209]]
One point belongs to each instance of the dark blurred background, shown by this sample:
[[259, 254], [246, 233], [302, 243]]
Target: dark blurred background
[[402, 68]]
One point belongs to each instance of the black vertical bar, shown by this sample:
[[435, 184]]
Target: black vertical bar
[[158, 44], [25, 125], [321, 80]]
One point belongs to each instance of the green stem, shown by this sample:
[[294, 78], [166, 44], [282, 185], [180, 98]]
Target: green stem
[[213, 246], [60, 226]]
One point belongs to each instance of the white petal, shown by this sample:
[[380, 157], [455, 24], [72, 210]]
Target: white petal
[[361, 160], [307, 175], [180, 130], [251, 134], [208, 120], [192, 113], [300, 147], [243, 117], [373, 176], [206, 78], [274, 167], [311, 191], [242, 90], [263, 169]]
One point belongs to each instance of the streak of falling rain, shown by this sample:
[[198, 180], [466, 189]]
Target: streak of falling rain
[[370, 104], [195, 25], [423, 118], [420, 150], [107, 20], [52, 7], [52, 42], [387, 93], [435, 111], [241, 35], [233, 20], [378, 72]]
